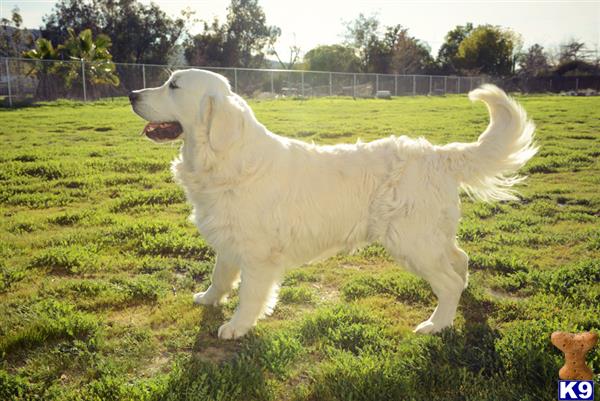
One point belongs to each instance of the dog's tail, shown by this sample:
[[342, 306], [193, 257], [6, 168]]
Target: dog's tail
[[487, 169]]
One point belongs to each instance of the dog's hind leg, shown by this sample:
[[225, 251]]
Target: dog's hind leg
[[224, 277], [447, 285], [443, 268], [258, 295], [460, 263]]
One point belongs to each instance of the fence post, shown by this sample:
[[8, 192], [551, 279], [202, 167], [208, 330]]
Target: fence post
[[445, 84], [10, 103], [376, 83], [470, 84], [414, 85], [576, 84], [235, 79], [395, 85], [330, 85], [354, 87], [83, 80], [272, 85], [302, 82], [430, 84], [144, 75]]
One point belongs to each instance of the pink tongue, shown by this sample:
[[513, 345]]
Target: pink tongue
[[166, 130]]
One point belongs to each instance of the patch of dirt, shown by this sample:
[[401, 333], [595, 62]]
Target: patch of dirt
[[159, 364], [505, 295], [326, 294], [215, 354]]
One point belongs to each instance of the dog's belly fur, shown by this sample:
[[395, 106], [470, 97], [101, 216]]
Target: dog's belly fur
[[291, 221]]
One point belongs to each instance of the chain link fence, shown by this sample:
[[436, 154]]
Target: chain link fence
[[25, 81]]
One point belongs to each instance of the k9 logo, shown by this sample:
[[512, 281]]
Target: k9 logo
[[575, 390]]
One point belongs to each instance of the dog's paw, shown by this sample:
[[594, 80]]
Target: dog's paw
[[429, 327], [208, 298], [231, 331]]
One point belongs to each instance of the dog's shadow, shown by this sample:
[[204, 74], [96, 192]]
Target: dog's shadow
[[218, 369], [207, 345], [476, 339]]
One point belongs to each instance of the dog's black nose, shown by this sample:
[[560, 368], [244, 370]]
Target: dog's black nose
[[133, 96]]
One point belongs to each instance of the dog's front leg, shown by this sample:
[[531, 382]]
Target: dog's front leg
[[224, 277], [258, 294]]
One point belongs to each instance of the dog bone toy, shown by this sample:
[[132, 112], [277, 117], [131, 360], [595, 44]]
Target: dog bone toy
[[574, 346]]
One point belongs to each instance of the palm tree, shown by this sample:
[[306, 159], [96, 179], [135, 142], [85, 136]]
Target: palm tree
[[60, 69], [95, 55], [45, 69]]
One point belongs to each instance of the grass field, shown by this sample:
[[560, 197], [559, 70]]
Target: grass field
[[98, 264]]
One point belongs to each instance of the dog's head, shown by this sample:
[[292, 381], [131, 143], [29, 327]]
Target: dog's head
[[193, 105]]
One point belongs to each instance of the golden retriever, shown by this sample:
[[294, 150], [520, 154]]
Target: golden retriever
[[267, 203]]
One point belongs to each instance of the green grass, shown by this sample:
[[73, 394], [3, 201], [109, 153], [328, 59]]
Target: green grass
[[98, 263]]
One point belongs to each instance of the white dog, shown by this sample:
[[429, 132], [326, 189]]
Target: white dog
[[267, 203]]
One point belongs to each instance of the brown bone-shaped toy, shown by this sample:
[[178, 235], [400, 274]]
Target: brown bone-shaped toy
[[574, 346]]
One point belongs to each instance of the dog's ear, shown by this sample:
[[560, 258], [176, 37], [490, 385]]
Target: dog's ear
[[225, 115]]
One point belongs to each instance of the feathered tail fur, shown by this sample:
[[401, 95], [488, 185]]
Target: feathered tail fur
[[487, 169]]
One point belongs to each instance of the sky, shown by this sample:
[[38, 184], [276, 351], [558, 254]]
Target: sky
[[308, 23]]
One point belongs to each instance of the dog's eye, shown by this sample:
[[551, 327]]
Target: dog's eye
[[173, 85]]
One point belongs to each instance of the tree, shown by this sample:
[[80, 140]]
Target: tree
[[447, 54], [393, 51], [45, 71], [534, 62], [241, 41], [293, 59], [489, 50], [139, 33], [208, 48], [13, 39], [332, 58], [363, 35], [65, 70], [410, 55], [98, 66], [571, 51]]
